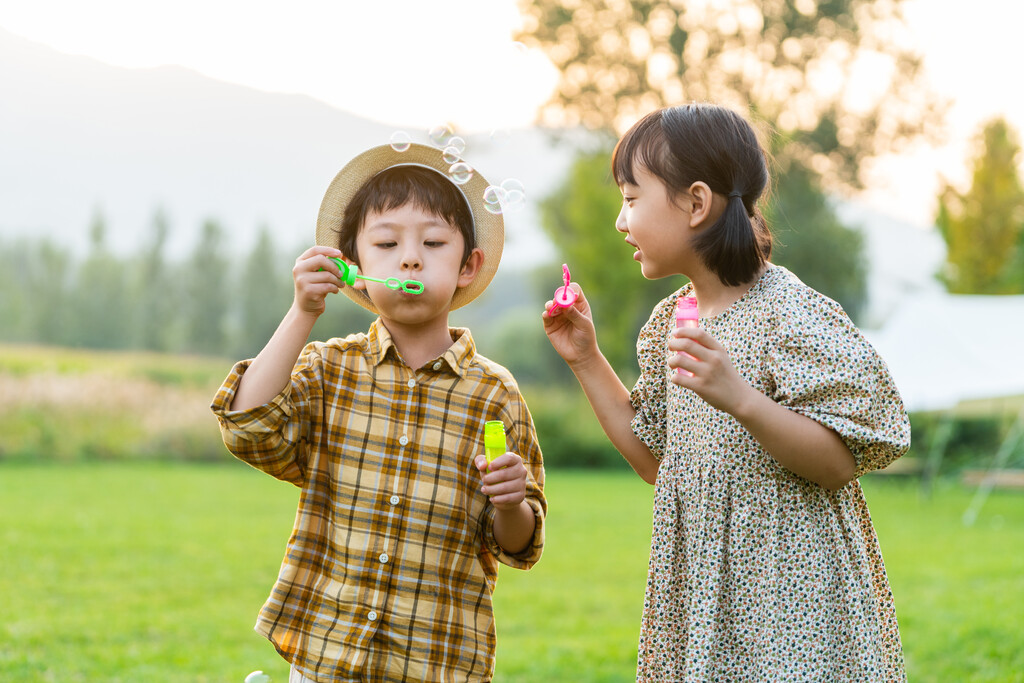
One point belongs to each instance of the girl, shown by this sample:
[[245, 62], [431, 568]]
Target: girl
[[753, 427]]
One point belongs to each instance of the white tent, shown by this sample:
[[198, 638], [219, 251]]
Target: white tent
[[946, 349]]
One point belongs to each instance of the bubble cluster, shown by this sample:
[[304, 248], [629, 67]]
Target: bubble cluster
[[400, 141], [508, 197]]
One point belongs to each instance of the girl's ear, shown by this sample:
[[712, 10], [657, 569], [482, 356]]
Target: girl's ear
[[703, 202]]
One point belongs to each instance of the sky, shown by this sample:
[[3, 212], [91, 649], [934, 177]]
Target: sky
[[467, 70]]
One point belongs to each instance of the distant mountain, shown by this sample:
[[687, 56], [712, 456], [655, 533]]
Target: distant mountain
[[78, 136]]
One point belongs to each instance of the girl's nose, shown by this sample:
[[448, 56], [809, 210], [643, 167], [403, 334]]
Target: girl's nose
[[620, 221]]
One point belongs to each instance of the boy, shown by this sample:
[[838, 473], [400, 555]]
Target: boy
[[401, 522]]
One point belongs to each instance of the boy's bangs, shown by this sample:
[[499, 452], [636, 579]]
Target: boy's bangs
[[425, 189]]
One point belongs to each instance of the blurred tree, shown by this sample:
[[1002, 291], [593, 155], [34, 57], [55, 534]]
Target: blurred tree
[[834, 75], [580, 217], [154, 289], [264, 297], [984, 227], [811, 241], [205, 303], [35, 281], [101, 316]]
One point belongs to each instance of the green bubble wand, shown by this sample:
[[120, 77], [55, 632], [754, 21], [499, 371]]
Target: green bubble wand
[[349, 273]]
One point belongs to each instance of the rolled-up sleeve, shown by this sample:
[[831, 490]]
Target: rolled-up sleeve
[[272, 437], [523, 437]]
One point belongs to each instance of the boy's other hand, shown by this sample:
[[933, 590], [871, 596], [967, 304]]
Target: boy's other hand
[[316, 276], [504, 480]]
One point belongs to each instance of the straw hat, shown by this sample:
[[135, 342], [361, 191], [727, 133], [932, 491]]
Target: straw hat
[[488, 227]]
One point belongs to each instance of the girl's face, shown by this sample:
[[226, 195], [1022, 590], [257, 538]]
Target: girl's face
[[655, 225]]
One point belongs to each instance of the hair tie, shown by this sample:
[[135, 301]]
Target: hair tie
[[735, 193]]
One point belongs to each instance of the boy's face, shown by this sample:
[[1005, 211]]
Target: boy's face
[[410, 243]]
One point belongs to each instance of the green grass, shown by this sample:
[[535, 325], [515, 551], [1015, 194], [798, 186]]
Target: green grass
[[155, 572], [959, 590]]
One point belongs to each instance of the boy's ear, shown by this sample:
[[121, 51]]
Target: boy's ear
[[703, 200], [471, 267]]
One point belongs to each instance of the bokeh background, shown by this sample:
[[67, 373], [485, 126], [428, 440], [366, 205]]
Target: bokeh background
[[161, 166]]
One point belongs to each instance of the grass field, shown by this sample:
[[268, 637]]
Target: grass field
[[154, 572]]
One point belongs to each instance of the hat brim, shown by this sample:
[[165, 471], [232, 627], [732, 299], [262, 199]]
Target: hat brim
[[489, 228]]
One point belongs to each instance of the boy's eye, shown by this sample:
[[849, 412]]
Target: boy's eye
[[434, 243]]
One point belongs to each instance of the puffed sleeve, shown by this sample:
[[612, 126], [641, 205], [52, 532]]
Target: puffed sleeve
[[649, 395], [821, 366], [273, 437]]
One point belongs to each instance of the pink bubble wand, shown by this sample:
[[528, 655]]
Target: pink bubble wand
[[564, 296]]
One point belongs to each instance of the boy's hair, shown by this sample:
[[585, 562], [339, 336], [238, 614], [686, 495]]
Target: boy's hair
[[705, 142], [400, 185]]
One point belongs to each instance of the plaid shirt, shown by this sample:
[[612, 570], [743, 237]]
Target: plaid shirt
[[389, 570]]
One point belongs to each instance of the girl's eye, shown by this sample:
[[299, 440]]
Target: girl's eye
[[434, 243], [386, 245]]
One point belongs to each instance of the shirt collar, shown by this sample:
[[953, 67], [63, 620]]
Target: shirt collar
[[458, 357]]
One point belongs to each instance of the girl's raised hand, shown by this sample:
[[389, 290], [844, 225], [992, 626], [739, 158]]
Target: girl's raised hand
[[713, 377], [571, 330], [315, 277]]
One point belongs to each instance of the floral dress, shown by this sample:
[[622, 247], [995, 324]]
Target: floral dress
[[757, 574]]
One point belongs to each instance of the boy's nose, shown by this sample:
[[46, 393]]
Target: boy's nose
[[411, 261]]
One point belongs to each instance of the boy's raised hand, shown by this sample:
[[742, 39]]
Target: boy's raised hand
[[316, 276], [504, 480], [571, 330]]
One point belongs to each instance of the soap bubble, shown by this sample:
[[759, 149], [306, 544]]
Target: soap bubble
[[512, 185], [515, 201], [494, 197], [441, 135], [400, 141], [500, 135], [450, 155], [460, 173], [258, 676], [515, 195], [458, 143]]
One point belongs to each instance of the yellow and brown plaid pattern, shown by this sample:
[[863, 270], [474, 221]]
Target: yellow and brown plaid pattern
[[389, 570]]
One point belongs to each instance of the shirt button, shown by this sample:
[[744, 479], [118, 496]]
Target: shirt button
[[393, 500], [437, 365], [383, 558], [403, 440], [372, 616], [411, 383]]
